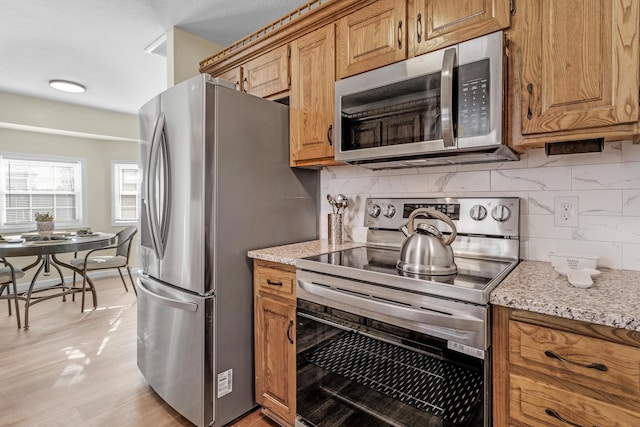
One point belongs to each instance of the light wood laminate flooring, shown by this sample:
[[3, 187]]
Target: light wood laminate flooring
[[79, 369]]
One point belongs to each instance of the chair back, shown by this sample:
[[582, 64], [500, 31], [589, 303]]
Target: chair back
[[124, 240]]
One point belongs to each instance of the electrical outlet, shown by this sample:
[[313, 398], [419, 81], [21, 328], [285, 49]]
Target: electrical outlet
[[566, 211]]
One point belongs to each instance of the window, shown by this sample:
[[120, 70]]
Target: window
[[37, 184], [125, 188]]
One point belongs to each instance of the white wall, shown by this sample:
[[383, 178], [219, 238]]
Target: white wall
[[607, 185]]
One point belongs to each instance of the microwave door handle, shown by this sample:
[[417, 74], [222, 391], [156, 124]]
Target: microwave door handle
[[446, 97]]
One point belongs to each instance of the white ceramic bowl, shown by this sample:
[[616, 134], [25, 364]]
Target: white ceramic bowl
[[573, 260]]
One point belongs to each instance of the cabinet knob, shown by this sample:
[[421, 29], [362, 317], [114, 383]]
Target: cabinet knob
[[330, 134], [419, 27], [400, 35]]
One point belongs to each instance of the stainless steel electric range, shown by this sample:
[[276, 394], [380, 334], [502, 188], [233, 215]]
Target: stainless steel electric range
[[377, 346]]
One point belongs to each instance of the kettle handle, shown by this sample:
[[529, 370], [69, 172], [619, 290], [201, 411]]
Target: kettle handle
[[427, 212]]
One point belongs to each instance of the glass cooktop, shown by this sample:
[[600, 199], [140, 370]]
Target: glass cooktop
[[473, 282]]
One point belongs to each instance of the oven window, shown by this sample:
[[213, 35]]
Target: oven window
[[353, 371]]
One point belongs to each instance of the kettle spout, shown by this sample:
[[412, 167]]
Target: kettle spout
[[404, 230]]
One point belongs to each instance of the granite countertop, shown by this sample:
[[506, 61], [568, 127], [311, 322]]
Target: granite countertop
[[612, 300], [288, 254]]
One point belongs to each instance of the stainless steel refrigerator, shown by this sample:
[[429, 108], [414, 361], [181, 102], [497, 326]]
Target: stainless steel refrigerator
[[216, 184]]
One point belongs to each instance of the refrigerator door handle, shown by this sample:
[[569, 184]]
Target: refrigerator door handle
[[159, 199], [159, 299]]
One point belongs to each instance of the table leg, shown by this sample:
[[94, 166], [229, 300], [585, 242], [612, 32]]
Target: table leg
[[47, 261], [28, 298]]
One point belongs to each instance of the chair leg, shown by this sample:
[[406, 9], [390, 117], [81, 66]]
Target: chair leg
[[133, 285], [73, 295], [123, 282], [15, 299], [84, 289], [2, 288]]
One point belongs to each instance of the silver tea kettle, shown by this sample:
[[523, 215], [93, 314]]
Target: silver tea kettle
[[426, 251]]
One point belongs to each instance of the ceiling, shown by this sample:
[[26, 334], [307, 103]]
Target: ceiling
[[100, 43]]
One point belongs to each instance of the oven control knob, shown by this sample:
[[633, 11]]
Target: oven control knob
[[373, 210], [389, 211], [501, 213], [478, 212]]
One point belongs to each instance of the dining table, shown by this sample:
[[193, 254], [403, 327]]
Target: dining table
[[46, 247]]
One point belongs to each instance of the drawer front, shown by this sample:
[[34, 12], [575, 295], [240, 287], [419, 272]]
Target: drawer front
[[538, 404], [275, 281], [590, 362]]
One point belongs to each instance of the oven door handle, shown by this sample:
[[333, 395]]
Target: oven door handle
[[422, 315]]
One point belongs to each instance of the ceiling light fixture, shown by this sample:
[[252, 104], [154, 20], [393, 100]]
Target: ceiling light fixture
[[67, 86]]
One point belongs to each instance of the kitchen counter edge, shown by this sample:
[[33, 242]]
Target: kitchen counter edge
[[613, 299], [288, 254]]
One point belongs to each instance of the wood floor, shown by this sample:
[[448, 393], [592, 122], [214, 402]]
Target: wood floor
[[79, 369]]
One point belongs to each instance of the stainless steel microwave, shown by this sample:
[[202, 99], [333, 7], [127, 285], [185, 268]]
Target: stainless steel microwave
[[443, 107]]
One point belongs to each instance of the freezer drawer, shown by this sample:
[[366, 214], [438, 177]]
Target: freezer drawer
[[172, 354]]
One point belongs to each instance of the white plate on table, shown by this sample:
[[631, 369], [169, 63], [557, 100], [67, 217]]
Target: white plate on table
[[14, 240]]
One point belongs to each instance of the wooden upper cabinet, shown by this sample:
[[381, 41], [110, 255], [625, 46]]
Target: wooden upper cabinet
[[371, 37], [234, 76], [434, 24], [268, 74], [311, 97], [580, 64]]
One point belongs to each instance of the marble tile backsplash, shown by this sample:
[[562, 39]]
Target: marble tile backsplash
[[606, 184]]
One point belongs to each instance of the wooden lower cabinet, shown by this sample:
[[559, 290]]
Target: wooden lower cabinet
[[275, 333], [550, 371]]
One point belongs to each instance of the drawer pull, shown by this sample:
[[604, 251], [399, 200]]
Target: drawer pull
[[272, 283], [597, 366], [557, 416]]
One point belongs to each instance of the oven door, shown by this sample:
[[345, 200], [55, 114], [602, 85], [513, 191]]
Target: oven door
[[355, 371], [375, 355]]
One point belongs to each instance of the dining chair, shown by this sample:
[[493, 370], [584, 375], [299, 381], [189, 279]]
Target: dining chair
[[8, 276], [91, 262]]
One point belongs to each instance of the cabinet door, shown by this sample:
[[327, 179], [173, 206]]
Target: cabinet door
[[371, 37], [311, 97], [579, 64], [234, 76], [434, 24], [276, 357], [268, 74]]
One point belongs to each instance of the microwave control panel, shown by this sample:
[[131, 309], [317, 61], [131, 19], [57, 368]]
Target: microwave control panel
[[473, 99]]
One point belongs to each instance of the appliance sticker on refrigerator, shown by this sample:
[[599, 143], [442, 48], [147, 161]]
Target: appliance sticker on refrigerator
[[225, 382]]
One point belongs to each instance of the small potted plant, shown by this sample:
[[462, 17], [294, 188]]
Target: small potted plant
[[44, 222]]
